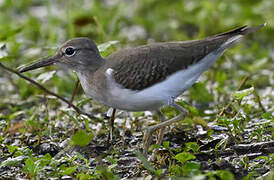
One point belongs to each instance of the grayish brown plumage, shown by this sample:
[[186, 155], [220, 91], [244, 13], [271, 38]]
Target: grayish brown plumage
[[141, 67], [146, 77]]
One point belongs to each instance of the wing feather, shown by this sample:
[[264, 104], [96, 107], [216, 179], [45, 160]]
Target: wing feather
[[143, 66]]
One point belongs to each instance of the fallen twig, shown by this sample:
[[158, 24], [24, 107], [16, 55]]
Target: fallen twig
[[47, 91]]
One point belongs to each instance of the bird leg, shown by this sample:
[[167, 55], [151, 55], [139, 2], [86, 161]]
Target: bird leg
[[149, 130], [162, 130], [110, 135], [75, 90]]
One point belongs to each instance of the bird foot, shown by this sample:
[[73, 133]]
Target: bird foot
[[149, 131], [147, 138]]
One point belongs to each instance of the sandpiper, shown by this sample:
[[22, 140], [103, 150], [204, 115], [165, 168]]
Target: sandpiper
[[143, 78]]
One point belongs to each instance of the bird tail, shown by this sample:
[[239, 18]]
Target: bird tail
[[244, 30], [236, 35]]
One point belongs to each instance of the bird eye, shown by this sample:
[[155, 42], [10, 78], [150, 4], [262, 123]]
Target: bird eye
[[70, 51]]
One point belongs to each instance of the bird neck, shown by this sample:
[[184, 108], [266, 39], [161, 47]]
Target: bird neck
[[92, 67]]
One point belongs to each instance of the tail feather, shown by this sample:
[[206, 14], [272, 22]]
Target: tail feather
[[236, 35], [248, 30], [244, 30]]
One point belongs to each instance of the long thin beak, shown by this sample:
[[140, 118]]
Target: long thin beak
[[39, 64]]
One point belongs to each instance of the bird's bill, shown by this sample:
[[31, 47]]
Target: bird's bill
[[39, 64]]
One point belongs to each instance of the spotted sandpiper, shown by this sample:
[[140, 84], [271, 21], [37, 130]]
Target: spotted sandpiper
[[143, 78]]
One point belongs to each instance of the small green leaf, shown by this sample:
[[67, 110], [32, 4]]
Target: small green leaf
[[184, 156], [111, 160], [262, 157], [29, 162], [154, 146], [250, 175], [200, 93], [190, 108], [69, 170], [220, 144], [12, 161], [45, 160], [12, 149], [80, 156], [221, 78], [191, 166], [166, 144], [268, 115], [158, 172], [112, 166], [239, 95], [145, 162], [225, 175], [258, 65], [81, 138], [175, 168], [86, 176], [30, 167], [105, 173], [192, 146]]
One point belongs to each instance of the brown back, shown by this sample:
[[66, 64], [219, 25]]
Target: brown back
[[140, 67]]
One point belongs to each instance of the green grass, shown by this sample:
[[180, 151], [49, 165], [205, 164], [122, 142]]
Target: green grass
[[231, 105]]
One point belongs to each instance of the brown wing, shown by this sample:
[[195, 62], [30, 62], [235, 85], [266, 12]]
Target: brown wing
[[141, 67]]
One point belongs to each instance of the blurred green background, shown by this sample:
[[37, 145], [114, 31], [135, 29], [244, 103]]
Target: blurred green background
[[32, 29]]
